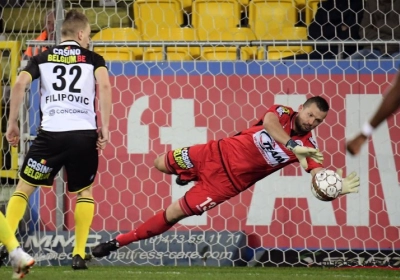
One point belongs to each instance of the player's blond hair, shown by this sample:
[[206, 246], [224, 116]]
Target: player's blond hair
[[74, 22]]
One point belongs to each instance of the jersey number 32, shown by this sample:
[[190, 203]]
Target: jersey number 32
[[74, 72]]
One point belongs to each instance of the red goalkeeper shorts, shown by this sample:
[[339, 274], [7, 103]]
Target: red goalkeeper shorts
[[201, 163]]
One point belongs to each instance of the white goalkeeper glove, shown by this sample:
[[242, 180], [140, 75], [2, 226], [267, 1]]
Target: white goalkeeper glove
[[351, 183], [302, 153]]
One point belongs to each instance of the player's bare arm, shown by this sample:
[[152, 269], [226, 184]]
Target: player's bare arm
[[274, 128], [389, 105], [17, 97], [104, 85]]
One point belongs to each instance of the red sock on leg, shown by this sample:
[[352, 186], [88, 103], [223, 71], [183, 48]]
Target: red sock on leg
[[152, 227]]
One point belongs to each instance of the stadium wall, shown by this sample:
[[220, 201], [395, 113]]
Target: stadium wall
[[161, 106]]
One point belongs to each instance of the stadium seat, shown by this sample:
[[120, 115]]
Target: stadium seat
[[173, 53], [218, 20], [276, 20], [119, 53], [278, 52], [151, 15], [229, 53], [267, 18], [211, 15]]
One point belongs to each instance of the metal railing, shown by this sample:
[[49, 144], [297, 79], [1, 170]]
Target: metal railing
[[237, 44]]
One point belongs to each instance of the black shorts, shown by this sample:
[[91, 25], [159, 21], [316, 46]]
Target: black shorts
[[50, 151]]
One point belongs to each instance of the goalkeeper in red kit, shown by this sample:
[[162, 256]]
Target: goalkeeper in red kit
[[224, 168]]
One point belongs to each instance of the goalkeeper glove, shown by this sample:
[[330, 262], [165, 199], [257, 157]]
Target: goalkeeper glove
[[302, 153], [351, 183]]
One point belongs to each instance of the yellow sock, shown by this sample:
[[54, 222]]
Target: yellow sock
[[7, 236], [16, 209], [84, 211]]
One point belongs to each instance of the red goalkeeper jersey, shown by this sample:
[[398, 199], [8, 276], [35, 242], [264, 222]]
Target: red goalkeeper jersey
[[253, 154]]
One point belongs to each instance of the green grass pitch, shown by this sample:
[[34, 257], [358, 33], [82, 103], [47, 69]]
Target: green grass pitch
[[201, 273]]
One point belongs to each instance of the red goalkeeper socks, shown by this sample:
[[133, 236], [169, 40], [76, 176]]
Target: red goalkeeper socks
[[152, 227]]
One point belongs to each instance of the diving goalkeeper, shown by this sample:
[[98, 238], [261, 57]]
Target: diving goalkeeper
[[224, 168]]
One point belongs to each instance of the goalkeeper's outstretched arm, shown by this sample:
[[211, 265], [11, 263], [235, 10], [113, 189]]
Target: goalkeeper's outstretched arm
[[388, 106]]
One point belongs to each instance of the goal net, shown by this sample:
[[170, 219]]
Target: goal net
[[186, 72]]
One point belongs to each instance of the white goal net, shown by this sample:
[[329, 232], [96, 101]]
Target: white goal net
[[185, 72]]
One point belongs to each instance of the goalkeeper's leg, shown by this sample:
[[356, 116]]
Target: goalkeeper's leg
[[158, 224], [163, 164], [207, 193], [200, 198]]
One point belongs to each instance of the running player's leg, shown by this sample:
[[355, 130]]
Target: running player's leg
[[7, 236], [40, 166], [20, 261], [81, 168]]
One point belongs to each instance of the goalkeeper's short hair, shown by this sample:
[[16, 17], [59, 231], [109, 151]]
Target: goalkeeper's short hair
[[321, 103]]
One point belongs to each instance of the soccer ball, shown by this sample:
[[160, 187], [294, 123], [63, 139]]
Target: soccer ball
[[326, 185]]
